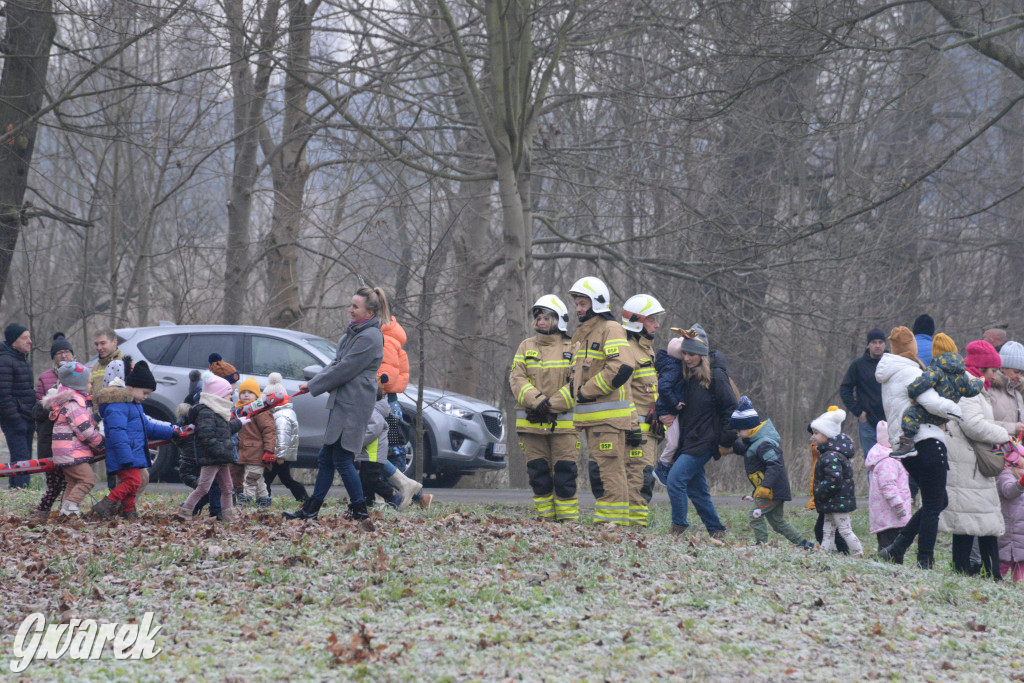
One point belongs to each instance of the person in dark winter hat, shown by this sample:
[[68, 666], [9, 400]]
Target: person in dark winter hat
[[17, 397], [128, 430], [862, 393], [695, 340], [60, 352], [758, 444], [141, 378], [222, 368], [924, 330]]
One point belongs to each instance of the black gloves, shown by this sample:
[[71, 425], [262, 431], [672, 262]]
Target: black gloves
[[634, 438]]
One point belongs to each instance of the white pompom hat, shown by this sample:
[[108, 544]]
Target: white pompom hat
[[830, 423]]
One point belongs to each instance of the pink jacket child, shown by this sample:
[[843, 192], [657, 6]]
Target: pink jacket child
[[889, 489], [1011, 544], [76, 437]]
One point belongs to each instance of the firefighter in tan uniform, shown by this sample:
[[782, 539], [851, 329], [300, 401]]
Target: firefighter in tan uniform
[[639, 317], [547, 439], [599, 386]]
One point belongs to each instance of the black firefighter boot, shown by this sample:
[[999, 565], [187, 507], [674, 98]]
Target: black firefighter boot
[[894, 551], [359, 513], [309, 510]]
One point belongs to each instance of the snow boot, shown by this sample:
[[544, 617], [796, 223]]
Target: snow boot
[[39, 515], [229, 516], [425, 500], [309, 510], [406, 487], [130, 515], [677, 530], [263, 503], [184, 514], [106, 508], [904, 449], [69, 509]]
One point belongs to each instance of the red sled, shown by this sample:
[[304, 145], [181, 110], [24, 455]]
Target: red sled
[[42, 465]]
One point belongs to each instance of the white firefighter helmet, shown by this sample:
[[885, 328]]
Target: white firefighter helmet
[[637, 308], [595, 290], [551, 302]]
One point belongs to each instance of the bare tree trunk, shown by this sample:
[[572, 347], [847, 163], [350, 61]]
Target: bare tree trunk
[[249, 95], [29, 34]]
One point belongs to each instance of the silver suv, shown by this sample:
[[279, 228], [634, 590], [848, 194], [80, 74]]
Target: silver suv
[[461, 434]]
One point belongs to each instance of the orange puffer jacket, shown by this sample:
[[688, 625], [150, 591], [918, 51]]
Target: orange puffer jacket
[[396, 361]]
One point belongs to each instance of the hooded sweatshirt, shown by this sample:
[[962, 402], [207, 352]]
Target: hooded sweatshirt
[[888, 485]]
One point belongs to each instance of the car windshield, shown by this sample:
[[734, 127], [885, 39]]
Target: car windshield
[[322, 345]]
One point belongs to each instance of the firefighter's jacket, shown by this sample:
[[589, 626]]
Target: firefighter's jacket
[[540, 369], [644, 382]]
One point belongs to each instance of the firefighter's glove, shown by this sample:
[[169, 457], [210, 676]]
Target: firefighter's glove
[[581, 399], [540, 414], [634, 438]]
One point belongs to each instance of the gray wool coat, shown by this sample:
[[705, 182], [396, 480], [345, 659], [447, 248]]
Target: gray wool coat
[[351, 380]]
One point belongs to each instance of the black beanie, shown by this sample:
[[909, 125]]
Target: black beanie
[[12, 332], [140, 377], [924, 325], [60, 343], [875, 333]]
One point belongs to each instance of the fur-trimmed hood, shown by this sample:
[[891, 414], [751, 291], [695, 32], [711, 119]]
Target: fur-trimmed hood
[[181, 411], [57, 396], [113, 395]]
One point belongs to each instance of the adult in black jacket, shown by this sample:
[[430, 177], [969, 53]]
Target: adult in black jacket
[[703, 427], [861, 392], [17, 396]]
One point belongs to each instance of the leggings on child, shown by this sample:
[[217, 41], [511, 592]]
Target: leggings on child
[[129, 482], [54, 487], [207, 475], [839, 521]]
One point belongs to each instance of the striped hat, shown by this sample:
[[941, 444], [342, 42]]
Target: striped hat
[[744, 417]]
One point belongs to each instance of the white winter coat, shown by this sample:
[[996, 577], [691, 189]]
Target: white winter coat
[[974, 508], [895, 373], [287, 426]]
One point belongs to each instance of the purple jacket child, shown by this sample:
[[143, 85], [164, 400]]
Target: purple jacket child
[[1011, 544], [888, 485]]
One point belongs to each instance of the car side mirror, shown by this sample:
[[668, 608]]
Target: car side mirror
[[311, 371]]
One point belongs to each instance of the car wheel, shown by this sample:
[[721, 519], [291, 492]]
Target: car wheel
[[165, 463]]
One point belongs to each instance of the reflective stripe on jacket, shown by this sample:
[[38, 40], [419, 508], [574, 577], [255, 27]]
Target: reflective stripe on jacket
[[644, 382], [540, 370], [602, 366]]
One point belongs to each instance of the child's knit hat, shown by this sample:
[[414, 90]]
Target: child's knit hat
[[275, 386], [140, 377], [830, 423], [1012, 354], [744, 417], [675, 347], [222, 368], [74, 375], [250, 384], [218, 386], [941, 344], [117, 369]]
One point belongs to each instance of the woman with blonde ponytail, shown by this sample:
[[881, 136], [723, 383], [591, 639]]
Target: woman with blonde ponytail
[[351, 380]]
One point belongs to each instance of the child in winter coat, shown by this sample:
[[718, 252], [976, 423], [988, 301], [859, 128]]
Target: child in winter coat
[[947, 374], [286, 451], [212, 445], [375, 449], [128, 431], [1010, 483], [257, 443], [76, 438], [668, 365], [834, 494], [758, 444], [889, 499]]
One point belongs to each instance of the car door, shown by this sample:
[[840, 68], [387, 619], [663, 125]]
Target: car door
[[270, 354]]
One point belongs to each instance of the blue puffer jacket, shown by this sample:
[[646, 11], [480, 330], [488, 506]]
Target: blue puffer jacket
[[127, 429]]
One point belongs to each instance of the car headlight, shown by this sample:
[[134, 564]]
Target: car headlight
[[449, 408]]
